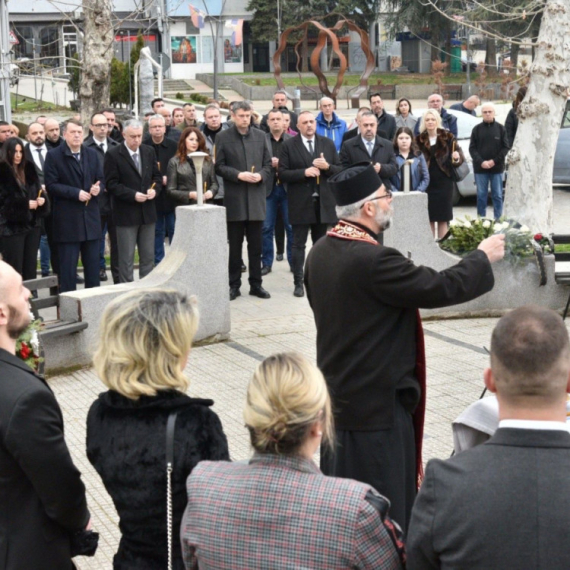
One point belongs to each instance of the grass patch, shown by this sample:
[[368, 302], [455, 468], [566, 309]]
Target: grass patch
[[21, 104], [562, 248]]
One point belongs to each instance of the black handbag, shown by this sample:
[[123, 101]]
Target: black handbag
[[170, 425], [459, 173]]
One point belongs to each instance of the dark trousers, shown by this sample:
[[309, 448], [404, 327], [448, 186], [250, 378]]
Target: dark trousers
[[300, 235], [21, 252], [385, 459], [54, 254], [68, 258], [108, 225], [280, 233], [165, 222], [276, 203], [253, 233]]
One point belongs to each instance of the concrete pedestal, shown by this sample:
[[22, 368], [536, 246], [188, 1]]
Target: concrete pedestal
[[196, 263]]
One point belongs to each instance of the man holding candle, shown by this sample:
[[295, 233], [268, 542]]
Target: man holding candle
[[242, 159], [305, 164], [165, 149], [133, 180], [74, 178]]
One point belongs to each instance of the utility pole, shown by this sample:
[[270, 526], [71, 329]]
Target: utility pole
[[5, 106]]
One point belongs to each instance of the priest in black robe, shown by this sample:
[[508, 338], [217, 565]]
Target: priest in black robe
[[365, 298]]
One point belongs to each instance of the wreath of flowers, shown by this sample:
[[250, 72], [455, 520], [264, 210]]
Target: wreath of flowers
[[28, 344], [465, 234]]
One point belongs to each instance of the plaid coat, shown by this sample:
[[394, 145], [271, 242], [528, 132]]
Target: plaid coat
[[282, 513]]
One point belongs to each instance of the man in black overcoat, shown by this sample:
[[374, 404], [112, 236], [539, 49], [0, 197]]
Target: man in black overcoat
[[242, 159], [365, 298], [74, 178], [42, 497], [164, 148], [100, 142], [133, 181], [305, 165], [369, 147]]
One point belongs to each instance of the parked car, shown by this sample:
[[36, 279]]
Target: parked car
[[561, 173]]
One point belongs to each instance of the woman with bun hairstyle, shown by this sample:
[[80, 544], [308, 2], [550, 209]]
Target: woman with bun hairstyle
[[278, 510]]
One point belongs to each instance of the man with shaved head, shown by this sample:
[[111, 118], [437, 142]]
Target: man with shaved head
[[329, 124], [468, 106], [43, 497], [53, 134]]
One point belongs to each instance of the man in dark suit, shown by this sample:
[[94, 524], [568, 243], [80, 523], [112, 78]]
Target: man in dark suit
[[305, 165], [36, 149], [164, 148], [133, 180], [243, 161], [506, 503], [365, 298], [42, 497], [74, 179], [100, 142], [386, 122], [368, 147]]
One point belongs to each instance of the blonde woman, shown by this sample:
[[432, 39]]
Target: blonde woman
[[279, 510], [441, 152], [145, 340]]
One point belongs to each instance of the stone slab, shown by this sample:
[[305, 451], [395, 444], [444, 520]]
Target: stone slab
[[196, 263], [515, 286]]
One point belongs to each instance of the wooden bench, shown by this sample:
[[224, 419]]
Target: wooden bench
[[562, 265], [58, 327], [385, 91]]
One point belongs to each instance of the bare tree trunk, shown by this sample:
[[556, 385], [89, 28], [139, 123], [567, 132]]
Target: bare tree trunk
[[97, 55], [529, 187], [515, 49], [491, 57]]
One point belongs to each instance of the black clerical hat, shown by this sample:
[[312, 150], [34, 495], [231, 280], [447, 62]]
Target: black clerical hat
[[355, 183]]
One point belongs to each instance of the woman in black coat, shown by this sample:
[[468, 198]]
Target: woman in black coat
[[181, 173], [145, 340], [23, 203], [441, 152]]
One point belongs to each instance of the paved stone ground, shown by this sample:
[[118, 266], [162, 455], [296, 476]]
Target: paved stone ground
[[221, 371]]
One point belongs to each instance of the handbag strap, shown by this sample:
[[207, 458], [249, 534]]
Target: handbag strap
[[170, 425]]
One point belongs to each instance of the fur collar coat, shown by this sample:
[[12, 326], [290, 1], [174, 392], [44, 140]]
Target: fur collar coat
[[443, 149]]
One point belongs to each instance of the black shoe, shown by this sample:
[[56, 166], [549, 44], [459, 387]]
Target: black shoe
[[260, 292], [79, 280], [103, 275], [265, 270], [243, 268], [279, 257], [299, 291], [234, 293]]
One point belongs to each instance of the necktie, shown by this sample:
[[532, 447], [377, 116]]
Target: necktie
[[310, 143], [370, 147], [102, 145], [136, 161], [77, 156], [42, 160]]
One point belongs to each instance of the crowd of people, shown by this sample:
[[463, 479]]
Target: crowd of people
[[270, 172], [163, 457]]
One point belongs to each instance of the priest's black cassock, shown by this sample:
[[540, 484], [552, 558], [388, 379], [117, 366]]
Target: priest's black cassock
[[365, 299]]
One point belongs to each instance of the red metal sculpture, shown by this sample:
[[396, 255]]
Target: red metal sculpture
[[324, 34]]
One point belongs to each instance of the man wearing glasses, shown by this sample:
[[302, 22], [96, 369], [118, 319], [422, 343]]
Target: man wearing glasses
[[100, 141], [365, 298]]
